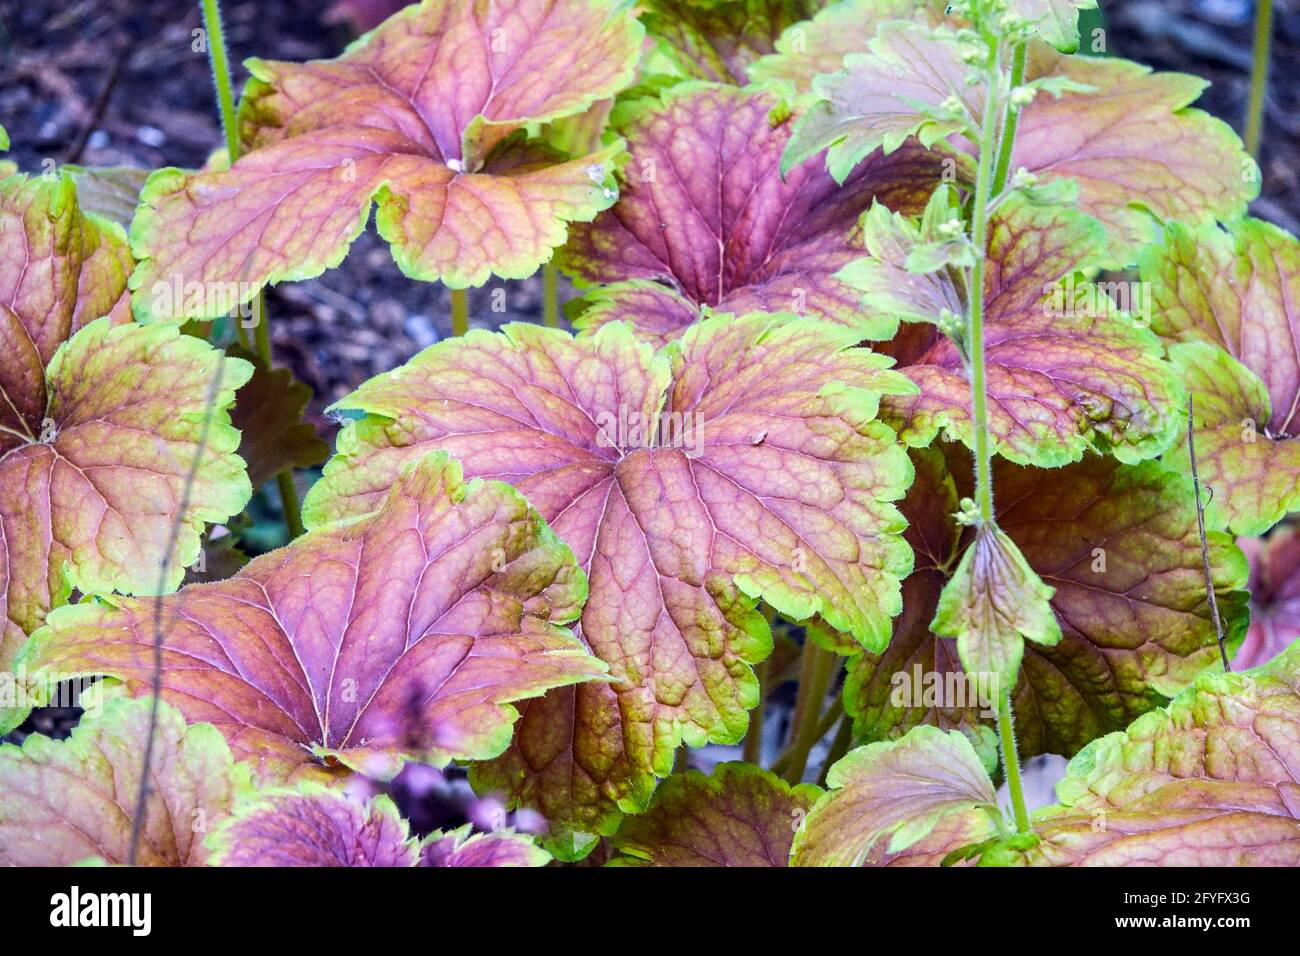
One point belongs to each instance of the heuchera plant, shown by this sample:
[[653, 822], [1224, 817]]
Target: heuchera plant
[[916, 354]]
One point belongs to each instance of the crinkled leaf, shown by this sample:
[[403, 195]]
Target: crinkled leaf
[[716, 40], [1066, 370], [655, 313], [99, 421], [704, 210], [1211, 780], [806, 50], [895, 91], [65, 801], [313, 826], [1234, 298], [268, 413], [740, 815], [993, 603], [498, 848], [1274, 596], [1133, 143], [899, 789], [766, 476], [1119, 545], [418, 117], [109, 191], [405, 635]]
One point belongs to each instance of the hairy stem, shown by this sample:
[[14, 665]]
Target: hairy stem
[[1205, 543], [1011, 123], [284, 479], [985, 193], [459, 311], [221, 74], [1259, 75], [975, 330], [819, 667], [550, 297], [1011, 761]]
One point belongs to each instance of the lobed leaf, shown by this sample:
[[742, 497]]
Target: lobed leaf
[[1066, 370], [1137, 150], [993, 603], [740, 463], [64, 802], [423, 117], [896, 90], [1057, 21], [740, 815], [1230, 301], [405, 635], [898, 789], [705, 211], [1211, 780], [100, 421], [310, 825], [1119, 545], [313, 826]]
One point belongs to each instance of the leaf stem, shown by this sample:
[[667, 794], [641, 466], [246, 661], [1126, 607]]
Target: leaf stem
[[459, 311], [975, 332], [1011, 123], [1259, 76], [818, 668], [221, 75], [261, 331], [1011, 760], [839, 747], [1205, 543], [550, 297], [985, 193]]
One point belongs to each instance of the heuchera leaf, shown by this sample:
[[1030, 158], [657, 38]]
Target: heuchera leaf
[[899, 789], [418, 116], [498, 848], [313, 826], [740, 815], [1234, 299], [1211, 780], [741, 462], [805, 50], [1274, 597], [1066, 370], [99, 421], [716, 40], [405, 635], [704, 210], [1119, 545], [1132, 143], [992, 605], [268, 413], [62, 802], [883, 97]]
